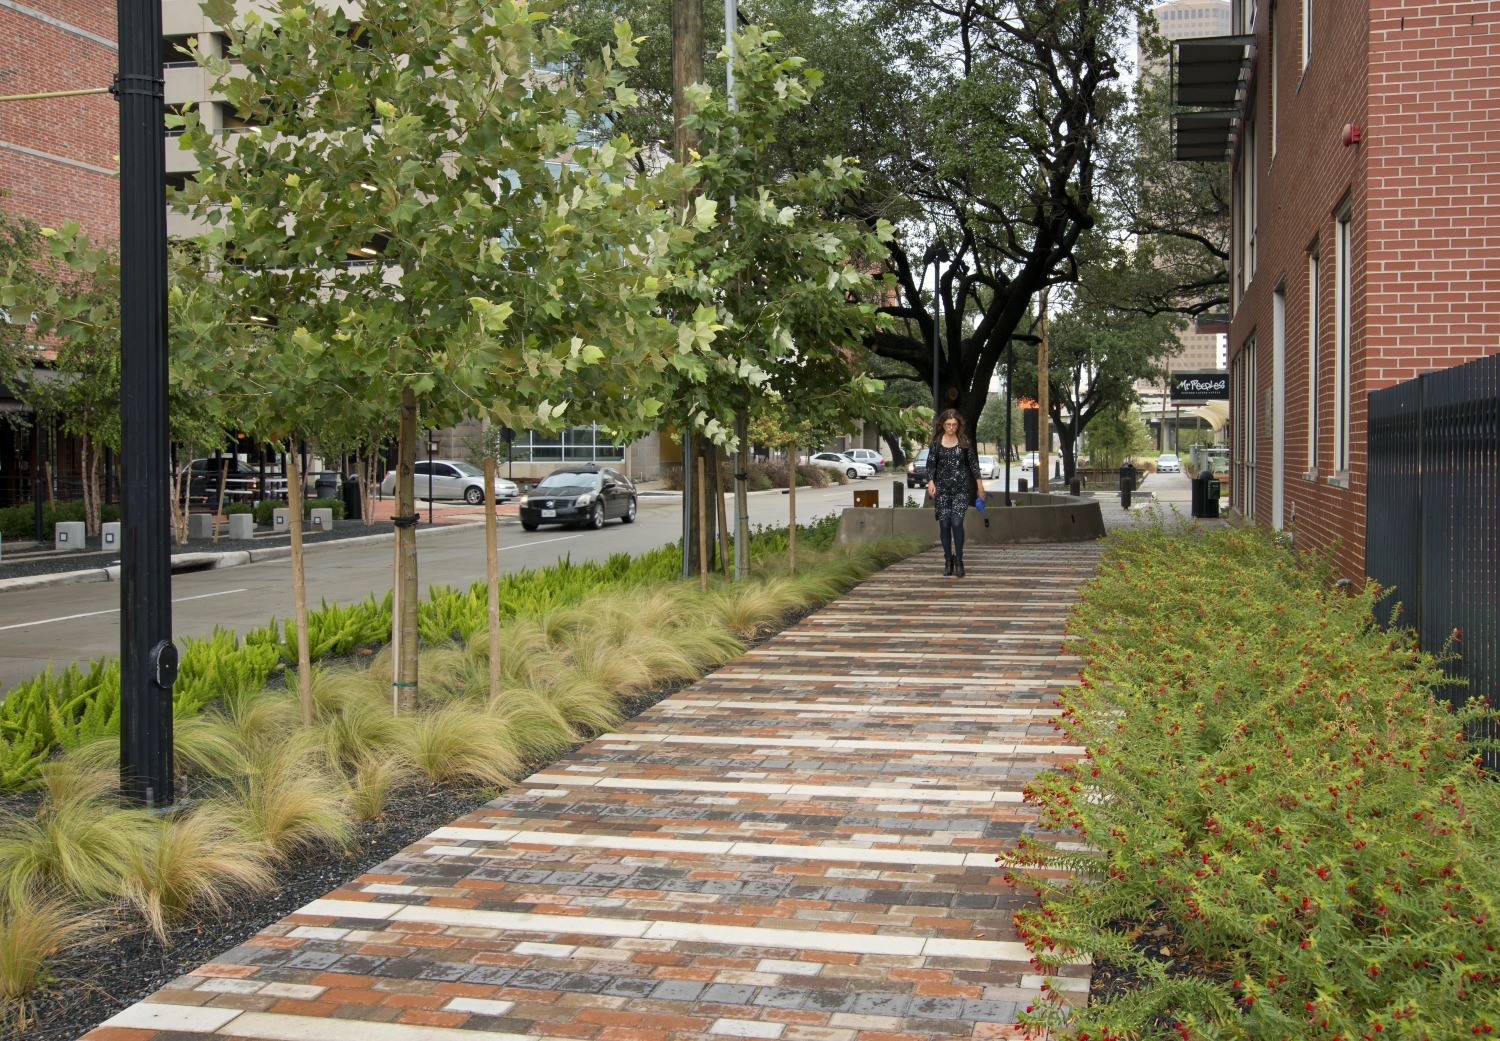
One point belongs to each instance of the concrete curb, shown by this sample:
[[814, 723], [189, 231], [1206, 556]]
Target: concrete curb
[[203, 561]]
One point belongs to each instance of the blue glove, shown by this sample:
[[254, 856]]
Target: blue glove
[[979, 505]]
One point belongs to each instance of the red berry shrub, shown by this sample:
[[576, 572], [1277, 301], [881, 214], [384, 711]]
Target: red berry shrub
[[1272, 776]]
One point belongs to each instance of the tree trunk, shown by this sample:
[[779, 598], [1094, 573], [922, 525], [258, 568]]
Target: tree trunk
[[791, 505], [702, 498], [1043, 415], [219, 506], [742, 496], [406, 542], [720, 458], [370, 477], [299, 588], [491, 563], [90, 489]]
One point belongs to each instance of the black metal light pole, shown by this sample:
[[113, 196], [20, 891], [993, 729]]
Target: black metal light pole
[[148, 659], [936, 256]]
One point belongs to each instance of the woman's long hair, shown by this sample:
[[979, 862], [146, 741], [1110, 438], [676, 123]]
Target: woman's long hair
[[963, 428]]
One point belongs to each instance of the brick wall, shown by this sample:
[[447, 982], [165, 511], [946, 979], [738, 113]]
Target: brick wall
[[1301, 188], [1424, 187], [57, 156], [1434, 166]]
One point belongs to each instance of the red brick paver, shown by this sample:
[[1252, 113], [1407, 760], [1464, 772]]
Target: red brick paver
[[800, 846]]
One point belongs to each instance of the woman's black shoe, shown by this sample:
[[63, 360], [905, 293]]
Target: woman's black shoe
[[947, 566], [958, 566]]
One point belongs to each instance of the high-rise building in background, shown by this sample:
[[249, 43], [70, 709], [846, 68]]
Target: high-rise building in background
[[1199, 351]]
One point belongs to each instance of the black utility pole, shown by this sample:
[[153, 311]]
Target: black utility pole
[[148, 659]]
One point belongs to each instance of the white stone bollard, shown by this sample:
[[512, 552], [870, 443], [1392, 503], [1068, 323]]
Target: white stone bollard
[[281, 521], [241, 526], [200, 526], [111, 536], [68, 535], [322, 520]]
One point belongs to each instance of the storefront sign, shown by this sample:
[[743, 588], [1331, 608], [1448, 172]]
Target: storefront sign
[[1200, 386]]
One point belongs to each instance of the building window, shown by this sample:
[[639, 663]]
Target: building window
[[1313, 299], [580, 444], [1245, 428], [1342, 283], [1247, 194], [1307, 9]]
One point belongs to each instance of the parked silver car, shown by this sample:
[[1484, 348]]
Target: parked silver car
[[451, 479], [867, 455], [839, 461]]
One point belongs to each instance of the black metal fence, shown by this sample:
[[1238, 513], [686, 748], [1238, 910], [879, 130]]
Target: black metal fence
[[1432, 525]]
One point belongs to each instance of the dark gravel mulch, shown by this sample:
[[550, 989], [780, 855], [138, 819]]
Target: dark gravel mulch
[[18, 563], [126, 965], [1157, 942]]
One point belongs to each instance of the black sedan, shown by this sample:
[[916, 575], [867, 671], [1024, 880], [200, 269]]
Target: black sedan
[[583, 495]]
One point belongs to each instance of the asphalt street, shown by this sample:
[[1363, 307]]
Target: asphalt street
[[62, 624]]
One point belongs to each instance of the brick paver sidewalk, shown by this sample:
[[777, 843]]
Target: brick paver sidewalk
[[801, 846]]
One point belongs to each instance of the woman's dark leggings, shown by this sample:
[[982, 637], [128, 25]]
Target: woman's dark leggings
[[951, 531]]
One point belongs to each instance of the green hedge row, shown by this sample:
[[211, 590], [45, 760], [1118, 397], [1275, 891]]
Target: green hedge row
[[1280, 794], [67, 708], [17, 523]]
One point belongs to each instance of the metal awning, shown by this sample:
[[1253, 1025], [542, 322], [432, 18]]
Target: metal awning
[[1210, 82]]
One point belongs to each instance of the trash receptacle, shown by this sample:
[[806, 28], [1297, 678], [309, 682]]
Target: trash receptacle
[[327, 485], [1127, 483], [354, 500], [1211, 490], [1199, 487]]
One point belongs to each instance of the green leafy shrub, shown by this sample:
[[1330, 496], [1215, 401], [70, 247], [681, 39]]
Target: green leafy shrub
[[1274, 779], [817, 477], [336, 505], [234, 508], [265, 508], [17, 523]]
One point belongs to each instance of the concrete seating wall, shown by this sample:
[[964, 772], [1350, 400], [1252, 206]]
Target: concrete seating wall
[[1038, 518]]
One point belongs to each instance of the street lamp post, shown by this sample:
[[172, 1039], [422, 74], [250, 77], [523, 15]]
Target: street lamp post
[[1010, 377], [148, 659], [936, 256]]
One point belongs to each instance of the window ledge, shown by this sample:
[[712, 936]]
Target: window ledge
[[1310, 475], [1340, 479]]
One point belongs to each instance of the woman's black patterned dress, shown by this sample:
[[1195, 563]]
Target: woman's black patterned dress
[[955, 471]]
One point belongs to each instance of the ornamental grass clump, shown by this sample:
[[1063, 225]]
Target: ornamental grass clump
[[1281, 784], [192, 858], [34, 933]]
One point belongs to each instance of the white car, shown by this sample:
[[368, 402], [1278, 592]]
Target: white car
[[839, 461], [450, 479], [1030, 461], [1168, 463], [990, 468]]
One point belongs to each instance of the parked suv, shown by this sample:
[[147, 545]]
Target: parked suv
[[916, 470], [867, 455]]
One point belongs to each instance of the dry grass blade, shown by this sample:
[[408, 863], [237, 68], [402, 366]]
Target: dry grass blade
[[210, 745], [371, 784], [535, 727], [33, 931], [609, 666], [359, 729], [68, 780], [458, 743], [335, 689], [194, 858], [588, 707], [287, 804], [81, 846]]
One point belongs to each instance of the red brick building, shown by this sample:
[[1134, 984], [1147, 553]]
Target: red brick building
[[58, 155], [1365, 142]]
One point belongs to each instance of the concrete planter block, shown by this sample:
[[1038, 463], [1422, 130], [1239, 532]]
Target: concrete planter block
[[241, 526], [68, 535], [200, 526], [322, 520], [281, 521], [111, 536]]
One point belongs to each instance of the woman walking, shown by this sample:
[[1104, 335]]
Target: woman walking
[[952, 479]]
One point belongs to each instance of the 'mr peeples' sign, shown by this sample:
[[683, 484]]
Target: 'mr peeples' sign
[[1200, 386]]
